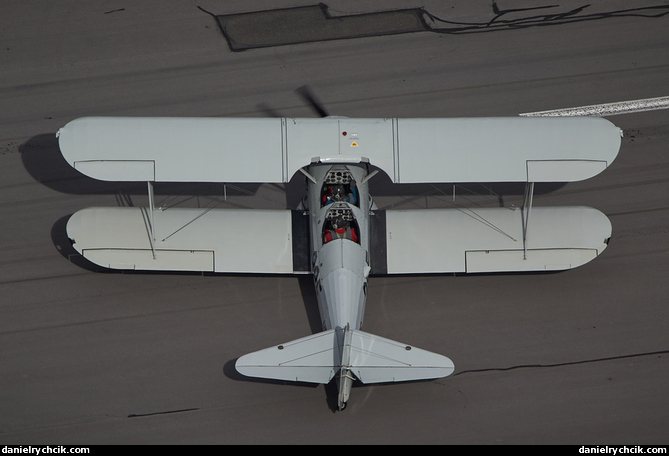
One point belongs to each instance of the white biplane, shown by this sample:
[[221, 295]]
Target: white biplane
[[346, 237]]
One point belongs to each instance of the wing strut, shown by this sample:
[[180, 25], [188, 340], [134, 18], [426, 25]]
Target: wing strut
[[152, 236], [527, 207]]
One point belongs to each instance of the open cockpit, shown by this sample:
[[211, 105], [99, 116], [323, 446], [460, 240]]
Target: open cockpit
[[339, 187], [340, 223], [338, 193]]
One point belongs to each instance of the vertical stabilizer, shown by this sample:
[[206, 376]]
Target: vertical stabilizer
[[345, 378]]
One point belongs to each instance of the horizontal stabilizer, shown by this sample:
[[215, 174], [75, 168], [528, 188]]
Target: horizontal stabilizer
[[317, 358], [312, 359], [375, 359]]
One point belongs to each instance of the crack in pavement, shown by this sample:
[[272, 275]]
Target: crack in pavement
[[569, 363]]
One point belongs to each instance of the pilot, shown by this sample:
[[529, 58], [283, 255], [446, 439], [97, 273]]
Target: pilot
[[341, 229], [335, 193], [338, 193]]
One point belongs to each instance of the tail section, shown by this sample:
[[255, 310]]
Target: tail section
[[354, 354]]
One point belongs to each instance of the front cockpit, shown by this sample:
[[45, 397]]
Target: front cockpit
[[339, 187]]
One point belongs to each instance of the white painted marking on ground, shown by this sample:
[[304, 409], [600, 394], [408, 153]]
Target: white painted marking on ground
[[607, 109]]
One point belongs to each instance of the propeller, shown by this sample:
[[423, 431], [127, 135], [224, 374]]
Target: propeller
[[310, 98]]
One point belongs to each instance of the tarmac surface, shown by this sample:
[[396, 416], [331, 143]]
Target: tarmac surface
[[94, 357]]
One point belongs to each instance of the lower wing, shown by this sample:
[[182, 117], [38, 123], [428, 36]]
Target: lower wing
[[488, 240], [214, 240]]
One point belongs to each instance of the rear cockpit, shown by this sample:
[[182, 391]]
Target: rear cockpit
[[340, 223]]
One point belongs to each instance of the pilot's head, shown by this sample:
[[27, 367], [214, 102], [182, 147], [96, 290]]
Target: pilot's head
[[338, 222], [338, 192]]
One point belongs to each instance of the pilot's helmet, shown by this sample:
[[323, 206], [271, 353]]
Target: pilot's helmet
[[338, 222], [338, 192]]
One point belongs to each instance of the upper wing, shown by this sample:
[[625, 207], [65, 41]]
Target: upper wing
[[489, 240], [507, 149], [515, 149], [175, 149]]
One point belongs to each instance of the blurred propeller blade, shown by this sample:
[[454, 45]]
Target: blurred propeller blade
[[309, 97]]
